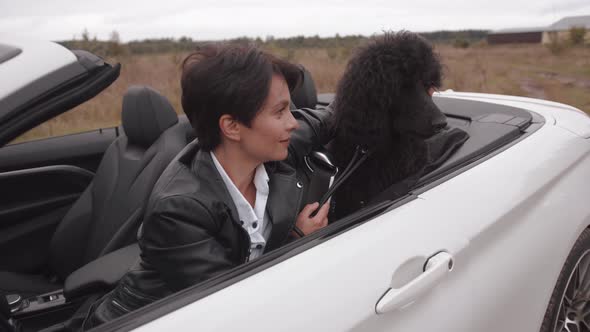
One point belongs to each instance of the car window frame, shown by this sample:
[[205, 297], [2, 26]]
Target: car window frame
[[54, 94]]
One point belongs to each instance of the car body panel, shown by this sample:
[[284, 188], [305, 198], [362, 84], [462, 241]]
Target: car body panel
[[504, 221]]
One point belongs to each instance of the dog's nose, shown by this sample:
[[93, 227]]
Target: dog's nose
[[439, 123], [439, 126]]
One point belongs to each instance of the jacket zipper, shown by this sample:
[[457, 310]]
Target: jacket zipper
[[120, 306], [247, 237], [296, 212]]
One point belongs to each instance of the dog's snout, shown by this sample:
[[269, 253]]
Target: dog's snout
[[439, 123], [439, 126]]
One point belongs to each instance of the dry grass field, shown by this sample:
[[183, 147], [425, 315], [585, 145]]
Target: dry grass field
[[523, 70]]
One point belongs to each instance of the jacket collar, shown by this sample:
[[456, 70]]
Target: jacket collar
[[211, 182], [283, 203]]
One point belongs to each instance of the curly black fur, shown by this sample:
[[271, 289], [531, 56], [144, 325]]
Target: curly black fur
[[382, 103]]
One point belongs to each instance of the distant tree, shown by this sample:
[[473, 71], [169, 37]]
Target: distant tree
[[555, 46], [184, 39], [115, 37], [114, 44], [242, 41], [447, 36], [85, 35], [577, 35], [461, 43], [185, 44], [85, 42]]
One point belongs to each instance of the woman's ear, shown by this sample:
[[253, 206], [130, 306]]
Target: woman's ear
[[229, 127], [432, 90]]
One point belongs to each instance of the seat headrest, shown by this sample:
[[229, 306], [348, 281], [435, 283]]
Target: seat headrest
[[146, 115], [305, 95]]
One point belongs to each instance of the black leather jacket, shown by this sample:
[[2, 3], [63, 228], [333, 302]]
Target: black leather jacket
[[191, 231]]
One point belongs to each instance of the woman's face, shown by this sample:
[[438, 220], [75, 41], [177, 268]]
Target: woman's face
[[267, 138]]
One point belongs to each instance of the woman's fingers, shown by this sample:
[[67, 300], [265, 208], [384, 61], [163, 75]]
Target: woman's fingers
[[309, 208], [322, 214], [308, 224]]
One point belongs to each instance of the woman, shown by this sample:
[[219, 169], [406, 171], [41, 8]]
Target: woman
[[235, 192]]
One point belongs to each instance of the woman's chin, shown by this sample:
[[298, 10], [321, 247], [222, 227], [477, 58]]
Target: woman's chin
[[282, 155], [279, 156]]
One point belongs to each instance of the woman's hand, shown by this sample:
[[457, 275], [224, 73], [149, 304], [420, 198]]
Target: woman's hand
[[308, 224]]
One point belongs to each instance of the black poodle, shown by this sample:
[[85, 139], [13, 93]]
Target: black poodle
[[383, 104]]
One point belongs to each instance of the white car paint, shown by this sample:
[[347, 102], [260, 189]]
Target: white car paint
[[509, 224], [39, 59]]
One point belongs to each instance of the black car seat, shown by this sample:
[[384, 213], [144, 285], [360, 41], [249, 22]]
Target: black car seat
[[305, 95], [107, 214]]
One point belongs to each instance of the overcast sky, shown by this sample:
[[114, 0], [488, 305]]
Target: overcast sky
[[212, 20]]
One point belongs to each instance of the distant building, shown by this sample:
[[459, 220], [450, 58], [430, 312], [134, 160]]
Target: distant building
[[559, 30], [517, 35]]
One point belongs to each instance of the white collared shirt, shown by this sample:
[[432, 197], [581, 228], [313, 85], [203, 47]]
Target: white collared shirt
[[253, 220]]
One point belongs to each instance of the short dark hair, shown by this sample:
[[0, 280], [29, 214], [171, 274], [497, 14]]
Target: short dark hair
[[221, 79]]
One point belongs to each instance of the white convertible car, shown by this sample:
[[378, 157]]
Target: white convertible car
[[496, 239]]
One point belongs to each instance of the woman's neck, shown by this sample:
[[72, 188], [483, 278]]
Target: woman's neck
[[239, 168]]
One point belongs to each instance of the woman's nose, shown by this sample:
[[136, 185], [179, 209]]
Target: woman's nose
[[293, 124]]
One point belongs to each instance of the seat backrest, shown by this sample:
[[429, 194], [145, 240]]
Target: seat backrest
[[305, 95], [108, 213]]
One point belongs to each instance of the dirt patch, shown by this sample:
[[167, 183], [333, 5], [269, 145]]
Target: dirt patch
[[567, 80], [532, 88]]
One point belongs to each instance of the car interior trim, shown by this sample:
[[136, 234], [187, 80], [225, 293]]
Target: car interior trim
[[82, 149], [47, 169]]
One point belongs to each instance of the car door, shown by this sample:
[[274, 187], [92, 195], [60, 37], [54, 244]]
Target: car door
[[500, 227], [39, 180], [333, 286]]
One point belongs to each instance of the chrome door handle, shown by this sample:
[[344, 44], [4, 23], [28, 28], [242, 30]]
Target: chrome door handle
[[436, 268]]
